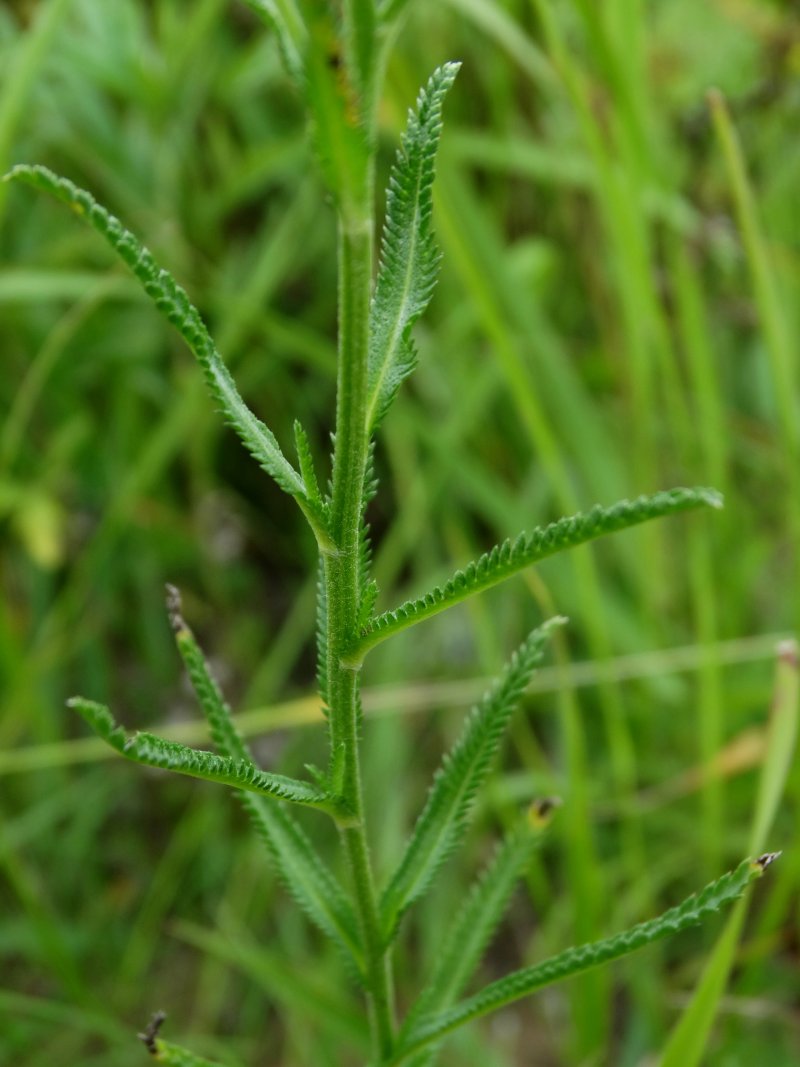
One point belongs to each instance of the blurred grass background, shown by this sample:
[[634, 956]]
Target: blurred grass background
[[615, 315]]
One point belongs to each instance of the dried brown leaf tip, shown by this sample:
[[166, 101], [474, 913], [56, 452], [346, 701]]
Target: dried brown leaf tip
[[148, 1036], [764, 861]]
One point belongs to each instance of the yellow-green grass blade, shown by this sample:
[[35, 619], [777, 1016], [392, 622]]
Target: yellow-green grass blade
[[687, 1044]]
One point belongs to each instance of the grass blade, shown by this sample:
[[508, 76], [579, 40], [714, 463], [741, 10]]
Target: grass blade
[[283, 17], [687, 1043], [522, 983], [463, 771], [409, 258], [510, 557]]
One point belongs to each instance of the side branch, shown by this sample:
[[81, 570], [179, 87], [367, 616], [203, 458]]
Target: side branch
[[155, 751], [510, 557]]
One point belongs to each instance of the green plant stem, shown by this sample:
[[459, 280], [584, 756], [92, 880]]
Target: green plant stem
[[343, 593]]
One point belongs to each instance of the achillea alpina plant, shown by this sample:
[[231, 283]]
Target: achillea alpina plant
[[376, 354]]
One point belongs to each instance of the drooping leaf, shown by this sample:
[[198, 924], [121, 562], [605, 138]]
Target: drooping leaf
[[299, 867], [510, 557], [171, 300], [475, 922], [146, 748], [528, 980], [409, 257], [463, 771]]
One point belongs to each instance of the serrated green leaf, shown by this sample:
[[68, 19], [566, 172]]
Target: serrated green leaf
[[510, 557], [528, 980], [474, 924], [322, 638], [305, 876], [171, 300], [176, 1056], [146, 748], [307, 471], [302, 872], [463, 771], [409, 258]]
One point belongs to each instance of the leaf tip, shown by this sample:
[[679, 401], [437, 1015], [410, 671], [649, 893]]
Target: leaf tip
[[765, 860], [149, 1035], [541, 811], [174, 609]]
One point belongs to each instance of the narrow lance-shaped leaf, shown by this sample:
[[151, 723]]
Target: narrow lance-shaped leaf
[[300, 869], [463, 771], [307, 471], [409, 257], [146, 748], [475, 922], [528, 980], [171, 300], [510, 557]]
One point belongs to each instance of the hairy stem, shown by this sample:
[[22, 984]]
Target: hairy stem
[[343, 592]]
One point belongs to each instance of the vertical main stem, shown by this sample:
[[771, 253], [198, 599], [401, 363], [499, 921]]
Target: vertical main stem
[[342, 580]]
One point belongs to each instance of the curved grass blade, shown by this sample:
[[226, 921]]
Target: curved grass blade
[[510, 557], [522, 983], [477, 919], [171, 300], [409, 258], [463, 771], [303, 873], [283, 17], [173, 1055], [146, 748]]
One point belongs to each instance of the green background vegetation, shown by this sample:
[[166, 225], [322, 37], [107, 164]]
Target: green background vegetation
[[614, 315]]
